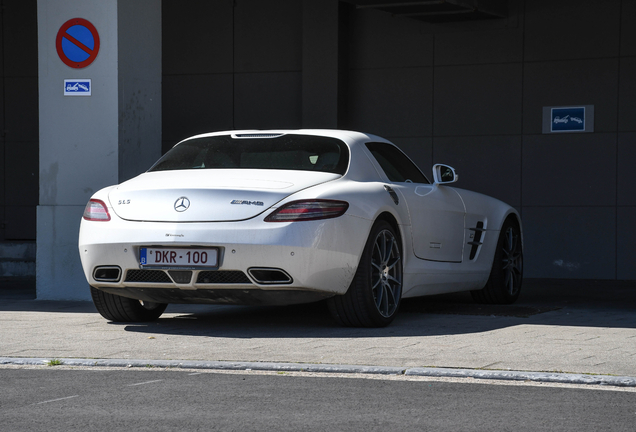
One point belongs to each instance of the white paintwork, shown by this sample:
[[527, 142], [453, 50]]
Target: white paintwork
[[437, 221], [151, 196], [319, 255]]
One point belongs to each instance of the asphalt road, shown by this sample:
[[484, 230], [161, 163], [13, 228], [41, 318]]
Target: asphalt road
[[55, 399]]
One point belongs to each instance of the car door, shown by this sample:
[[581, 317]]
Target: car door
[[437, 212]]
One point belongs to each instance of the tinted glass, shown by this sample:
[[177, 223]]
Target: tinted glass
[[395, 164], [286, 152]]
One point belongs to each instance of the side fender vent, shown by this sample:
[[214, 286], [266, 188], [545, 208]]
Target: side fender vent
[[394, 195], [476, 239]]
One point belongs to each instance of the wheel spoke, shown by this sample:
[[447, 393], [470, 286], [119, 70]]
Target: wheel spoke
[[392, 265], [508, 283], [391, 278], [380, 297], [375, 285], [388, 253], [379, 251], [390, 293], [383, 247]]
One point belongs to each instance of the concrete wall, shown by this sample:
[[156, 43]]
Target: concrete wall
[[87, 143], [139, 85]]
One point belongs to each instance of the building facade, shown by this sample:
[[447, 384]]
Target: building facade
[[473, 88]]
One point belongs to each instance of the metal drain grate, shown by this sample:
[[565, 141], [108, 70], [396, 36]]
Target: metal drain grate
[[223, 277], [150, 276]]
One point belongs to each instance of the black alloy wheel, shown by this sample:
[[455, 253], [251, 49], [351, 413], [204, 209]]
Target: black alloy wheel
[[506, 276], [374, 296]]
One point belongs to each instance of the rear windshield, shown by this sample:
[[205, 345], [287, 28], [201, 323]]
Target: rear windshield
[[285, 152]]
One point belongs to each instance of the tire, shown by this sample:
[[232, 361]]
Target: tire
[[123, 309], [506, 276], [374, 296]]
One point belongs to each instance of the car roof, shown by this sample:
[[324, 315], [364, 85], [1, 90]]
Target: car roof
[[348, 137]]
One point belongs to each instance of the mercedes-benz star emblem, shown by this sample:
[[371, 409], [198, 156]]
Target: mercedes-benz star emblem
[[181, 204]]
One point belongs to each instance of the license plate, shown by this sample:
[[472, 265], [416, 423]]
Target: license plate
[[177, 257]]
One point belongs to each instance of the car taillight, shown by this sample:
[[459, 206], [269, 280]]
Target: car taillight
[[308, 210], [96, 211]]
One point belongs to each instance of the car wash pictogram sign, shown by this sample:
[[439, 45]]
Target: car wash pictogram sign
[[77, 43]]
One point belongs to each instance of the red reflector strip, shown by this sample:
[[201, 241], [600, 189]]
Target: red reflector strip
[[294, 210]]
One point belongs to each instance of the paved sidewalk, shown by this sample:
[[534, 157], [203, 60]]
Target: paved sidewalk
[[582, 328]]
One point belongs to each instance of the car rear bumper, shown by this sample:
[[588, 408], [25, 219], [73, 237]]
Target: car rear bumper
[[318, 256]]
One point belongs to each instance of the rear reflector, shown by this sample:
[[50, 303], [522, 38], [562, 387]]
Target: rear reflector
[[307, 210], [96, 211]]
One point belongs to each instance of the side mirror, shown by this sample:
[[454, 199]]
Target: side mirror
[[443, 174]]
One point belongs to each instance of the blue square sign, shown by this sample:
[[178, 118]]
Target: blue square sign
[[77, 87], [567, 119]]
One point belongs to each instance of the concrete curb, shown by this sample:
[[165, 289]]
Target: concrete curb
[[561, 378], [549, 377]]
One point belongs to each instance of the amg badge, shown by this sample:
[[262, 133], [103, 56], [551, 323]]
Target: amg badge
[[258, 203]]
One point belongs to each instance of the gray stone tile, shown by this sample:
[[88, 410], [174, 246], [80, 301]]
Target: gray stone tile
[[322, 69], [20, 34], [197, 38], [627, 95], [268, 100], [570, 242], [626, 184], [22, 173], [390, 102], [2, 224], [20, 222], [267, 37], [21, 108], [380, 40], [494, 46], [3, 171], [478, 100], [571, 29], [569, 170], [196, 104], [628, 30]]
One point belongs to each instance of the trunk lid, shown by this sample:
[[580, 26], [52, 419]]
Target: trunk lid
[[208, 195]]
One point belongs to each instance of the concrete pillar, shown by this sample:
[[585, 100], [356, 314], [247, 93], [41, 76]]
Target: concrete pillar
[[89, 142]]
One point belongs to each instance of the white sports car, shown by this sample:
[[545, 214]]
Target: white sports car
[[293, 216]]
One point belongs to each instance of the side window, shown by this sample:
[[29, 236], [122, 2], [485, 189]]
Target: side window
[[395, 164]]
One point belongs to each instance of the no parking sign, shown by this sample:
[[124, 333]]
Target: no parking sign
[[77, 43]]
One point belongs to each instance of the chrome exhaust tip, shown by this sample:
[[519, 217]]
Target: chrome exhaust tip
[[269, 276]]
